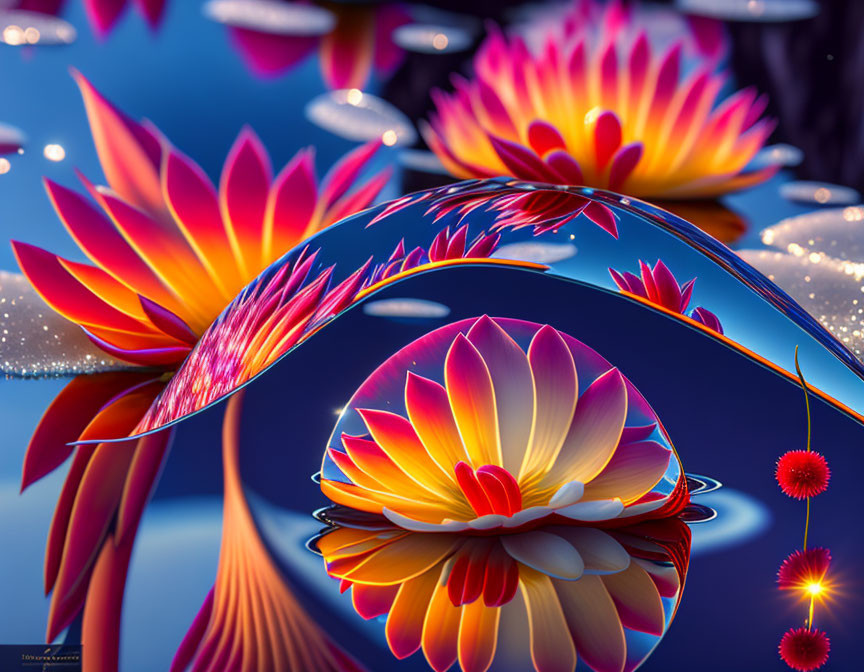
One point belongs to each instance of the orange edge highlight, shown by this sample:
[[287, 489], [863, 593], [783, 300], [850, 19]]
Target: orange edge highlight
[[746, 352]]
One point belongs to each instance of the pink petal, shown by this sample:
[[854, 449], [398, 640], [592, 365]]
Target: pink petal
[[243, 193], [67, 416], [166, 321], [607, 137], [520, 161], [152, 10], [623, 163], [100, 628], [103, 14], [143, 472], [343, 174], [566, 167], [668, 291], [65, 294], [94, 509], [602, 217], [195, 207], [129, 153], [544, 137], [291, 205]]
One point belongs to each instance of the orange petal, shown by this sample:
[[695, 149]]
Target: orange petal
[[593, 622], [429, 410], [597, 425], [478, 636], [513, 387], [397, 438], [473, 402], [552, 647], [441, 630], [404, 629], [195, 207], [555, 391], [243, 192], [128, 152]]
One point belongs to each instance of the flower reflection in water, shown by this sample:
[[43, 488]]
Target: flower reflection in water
[[604, 597]]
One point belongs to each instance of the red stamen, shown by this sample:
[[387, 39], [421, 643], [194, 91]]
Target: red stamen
[[473, 491], [511, 487], [489, 489]]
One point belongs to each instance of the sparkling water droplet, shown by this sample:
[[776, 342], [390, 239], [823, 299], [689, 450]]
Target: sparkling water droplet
[[354, 115], [751, 10], [271, 16], [21, 28], [818, 192], [432, 39], [36, 341]]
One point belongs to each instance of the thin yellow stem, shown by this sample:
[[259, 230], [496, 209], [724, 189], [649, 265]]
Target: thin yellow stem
[[810, 619], [806, 395], [807, 524]]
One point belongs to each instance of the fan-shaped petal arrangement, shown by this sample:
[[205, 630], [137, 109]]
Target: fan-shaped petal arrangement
[[515, 206], [251, 621], [500, 435], [285, 306], [601, 108], [658, 286], [168, 250], [587, 593]]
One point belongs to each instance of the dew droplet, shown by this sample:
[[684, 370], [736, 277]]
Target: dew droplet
[[354, 115], [751, 10], [271, 16], [432, 39]]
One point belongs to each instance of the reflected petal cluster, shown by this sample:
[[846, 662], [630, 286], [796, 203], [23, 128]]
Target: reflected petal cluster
[[580, 593], [599, 106], [658, 286]]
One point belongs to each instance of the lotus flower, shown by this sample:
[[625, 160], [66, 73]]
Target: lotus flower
[[658, 286], [600, 108], [523, 430], [250, 620], [589, 595], [359, 43], [170, 255], [170, 252]]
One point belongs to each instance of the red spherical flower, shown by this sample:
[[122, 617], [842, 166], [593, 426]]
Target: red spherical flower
[[803, 569], [804, 650], [802, 473]]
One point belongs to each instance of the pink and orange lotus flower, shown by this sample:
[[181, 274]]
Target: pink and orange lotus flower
[[496, 425], [169, 252], [597, 105]]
